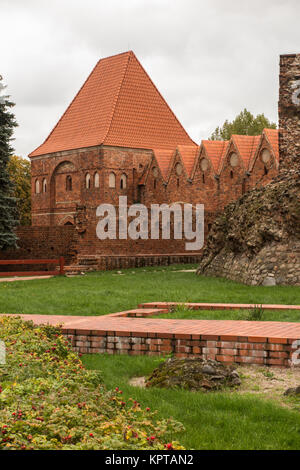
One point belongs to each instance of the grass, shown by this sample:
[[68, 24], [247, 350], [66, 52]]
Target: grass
[[182, 313], [100, 293], [213, 421]]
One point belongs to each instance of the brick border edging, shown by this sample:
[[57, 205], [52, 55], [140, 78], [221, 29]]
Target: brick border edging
[[215, 306], [224, 348], [238, 345]]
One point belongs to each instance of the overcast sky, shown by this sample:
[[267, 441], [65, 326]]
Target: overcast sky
[[208, 58]]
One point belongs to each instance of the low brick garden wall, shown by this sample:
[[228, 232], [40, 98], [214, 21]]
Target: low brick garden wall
[[141, 332], [227, 349]]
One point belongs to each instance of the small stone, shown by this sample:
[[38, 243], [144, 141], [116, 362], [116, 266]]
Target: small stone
[[292, 391], [208, 370], [269, 281]]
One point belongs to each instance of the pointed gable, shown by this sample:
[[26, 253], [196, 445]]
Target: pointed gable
[[246, 146], [163, 158], [215, 150], [118, 105], [272, 136], [188, 155]]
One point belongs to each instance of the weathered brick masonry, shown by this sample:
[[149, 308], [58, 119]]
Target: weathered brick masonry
[[234, 349], [142, 332], [42, 243]]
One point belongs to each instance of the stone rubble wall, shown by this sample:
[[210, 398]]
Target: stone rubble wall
[[275, 264]]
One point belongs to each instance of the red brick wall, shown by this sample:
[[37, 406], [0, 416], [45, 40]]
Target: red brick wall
[[41, 243], [240, 350], [58, 206], [261, 173]]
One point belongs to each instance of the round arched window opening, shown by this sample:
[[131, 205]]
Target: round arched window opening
[[37, 187], [204, 164], [96, 180], [265, 155], [44, 185], [234, 159], [88, 181], [155, 172], [112, 180], [123, 181], [178, 169], [69, 183]]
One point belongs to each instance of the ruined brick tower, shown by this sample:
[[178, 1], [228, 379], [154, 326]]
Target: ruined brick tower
[[289, 113]]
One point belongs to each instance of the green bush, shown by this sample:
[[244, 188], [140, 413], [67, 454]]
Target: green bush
[[48, 400]]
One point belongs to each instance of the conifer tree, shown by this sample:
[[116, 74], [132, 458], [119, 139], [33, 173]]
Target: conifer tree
[[8, 207]]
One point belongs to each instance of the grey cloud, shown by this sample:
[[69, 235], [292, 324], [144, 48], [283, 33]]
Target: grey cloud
[[209, 59]]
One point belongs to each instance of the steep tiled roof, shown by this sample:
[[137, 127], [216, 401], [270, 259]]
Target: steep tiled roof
[[118, 105], [246, 146], [215, 150], [164, 158], [272, 136], [188, 154]]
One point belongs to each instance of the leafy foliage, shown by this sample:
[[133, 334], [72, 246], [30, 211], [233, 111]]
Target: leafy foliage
[[48, 400], [8, 208], [20, 174], [244, 124]]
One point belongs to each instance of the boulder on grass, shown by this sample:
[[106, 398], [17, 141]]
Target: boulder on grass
[[194, 374]]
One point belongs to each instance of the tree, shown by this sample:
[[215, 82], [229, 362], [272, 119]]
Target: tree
[[19, 171], [8, 206], [244, 124]]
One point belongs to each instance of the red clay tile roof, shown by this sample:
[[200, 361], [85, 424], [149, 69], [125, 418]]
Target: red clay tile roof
[[164, 158], [188, 154], [118, 105], [272, 136], [246, 146], [215, 150]]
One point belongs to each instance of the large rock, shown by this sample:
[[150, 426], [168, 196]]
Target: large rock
[[193, 374], [257, 239]]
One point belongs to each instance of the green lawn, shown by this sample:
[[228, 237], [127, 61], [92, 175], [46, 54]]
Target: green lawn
[[100, 293], [224, 420], [268, 315]]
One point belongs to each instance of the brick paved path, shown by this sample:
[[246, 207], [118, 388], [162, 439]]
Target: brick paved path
[[255, 342]]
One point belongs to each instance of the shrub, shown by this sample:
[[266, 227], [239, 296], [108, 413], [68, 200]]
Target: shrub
[[48, 400]]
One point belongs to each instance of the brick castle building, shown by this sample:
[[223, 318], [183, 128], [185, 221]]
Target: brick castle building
[[119, 137]]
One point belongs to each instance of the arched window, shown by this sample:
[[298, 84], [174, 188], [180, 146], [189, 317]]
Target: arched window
[[68, 183], [178, 182], [96, 180], [112, 180], [88, 181], [231, 174], [123, 181], [37, 186], [44, 185], [154, 184], [266, 171], [203, 179]]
